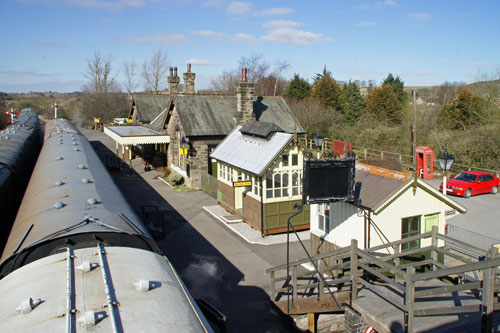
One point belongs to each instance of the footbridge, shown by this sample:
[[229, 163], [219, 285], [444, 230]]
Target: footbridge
[[429, 289]]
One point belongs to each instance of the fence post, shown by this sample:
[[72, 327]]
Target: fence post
[[381, 155], [434, 243], [366, 154], [294, 283], [488, 293], [321, 286], [273, 287], [354, 272], [409, 299]]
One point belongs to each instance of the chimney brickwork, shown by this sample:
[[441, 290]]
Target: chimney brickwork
[[189, 79], [173, 81], [244, 100]]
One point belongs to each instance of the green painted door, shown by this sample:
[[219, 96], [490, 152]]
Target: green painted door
[[430, 221]]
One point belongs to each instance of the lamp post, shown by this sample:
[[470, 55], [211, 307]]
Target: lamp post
[[318, 141], [445, 162]]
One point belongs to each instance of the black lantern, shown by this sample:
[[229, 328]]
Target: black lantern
[[318, 140], [445, 160]]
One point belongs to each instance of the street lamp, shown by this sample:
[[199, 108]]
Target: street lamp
[[318, 140], [445, 162]]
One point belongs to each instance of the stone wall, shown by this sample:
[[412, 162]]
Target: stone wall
[[244, 102], [354, 323]]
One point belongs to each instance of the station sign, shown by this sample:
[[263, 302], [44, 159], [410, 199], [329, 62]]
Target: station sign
[[242, 183]]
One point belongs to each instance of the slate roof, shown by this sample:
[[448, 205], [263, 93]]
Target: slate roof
[[251, 153], [378, 184], [213, 115], [260, 128], [149, 106]]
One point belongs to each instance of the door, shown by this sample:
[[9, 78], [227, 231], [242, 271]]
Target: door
[[238, 197]]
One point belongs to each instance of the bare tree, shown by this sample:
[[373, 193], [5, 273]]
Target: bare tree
[[155, 70], [281, 67], [310, 113], [130, 70], [100, 73], [226, 81]]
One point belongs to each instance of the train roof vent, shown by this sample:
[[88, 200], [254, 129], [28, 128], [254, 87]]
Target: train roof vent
[[81, 166], [59, 158], [142, 285], [59, 205], [85, 180], [91, 201], [28, 305], [76, 149], [59, 183], [90, 318], [87, 266]]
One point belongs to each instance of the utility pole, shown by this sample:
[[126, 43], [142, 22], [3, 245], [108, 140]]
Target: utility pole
[[414, 130]]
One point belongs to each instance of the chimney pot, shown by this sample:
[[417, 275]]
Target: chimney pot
[[189, 68], [175, 71], [171, 71], [244, 75]]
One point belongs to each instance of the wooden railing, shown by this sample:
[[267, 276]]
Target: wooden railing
[[365, 153], [347, 269]]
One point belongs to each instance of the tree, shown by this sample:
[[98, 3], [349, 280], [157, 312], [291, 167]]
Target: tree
[[226, 81], [464, 111], [155, 71], [130, 70], [298, 88], [327, 90], [319, 76], [384, 105], [310, 114], [398, 86], [100, 74], [446, 92], [279, 82], [354, 104]]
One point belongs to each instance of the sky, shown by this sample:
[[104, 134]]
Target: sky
[[46, 43]]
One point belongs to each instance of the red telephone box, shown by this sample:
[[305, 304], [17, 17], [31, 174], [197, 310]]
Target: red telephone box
[[425, 156]]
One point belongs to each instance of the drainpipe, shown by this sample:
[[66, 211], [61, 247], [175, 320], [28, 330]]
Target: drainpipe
[[261, 207]]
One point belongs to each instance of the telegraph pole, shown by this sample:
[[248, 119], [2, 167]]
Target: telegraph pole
[[414, 131]]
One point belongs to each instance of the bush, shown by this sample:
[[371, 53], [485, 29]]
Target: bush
[[175, 179]]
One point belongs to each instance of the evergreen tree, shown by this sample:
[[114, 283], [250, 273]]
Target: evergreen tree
[[398, 86], [354, 104], [384, 105], [464, 111], [298, 88], [327, 90], [319, 76]]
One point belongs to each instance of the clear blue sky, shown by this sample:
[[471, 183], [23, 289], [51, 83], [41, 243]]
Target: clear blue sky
[[46, 43]]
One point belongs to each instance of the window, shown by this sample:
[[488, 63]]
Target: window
[[295, 159], [296, 183], [410, 227], [324, 217], [256, 186], [269, 186], [284, 160], [277, 185]]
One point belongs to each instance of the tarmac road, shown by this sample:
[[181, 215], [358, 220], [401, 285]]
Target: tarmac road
[[482, 215]]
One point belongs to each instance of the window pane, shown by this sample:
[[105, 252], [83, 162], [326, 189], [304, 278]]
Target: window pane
[[415, 225], [295, 159], [269, 194], [321, 223], [277, 193], [295, 179], [405, 228], [269, 181], [295, 191], [285, 180], [285, 192], [284, 160], [277, 180]]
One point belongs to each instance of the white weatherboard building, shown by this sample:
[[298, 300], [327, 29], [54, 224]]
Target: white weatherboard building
[[393, 206]]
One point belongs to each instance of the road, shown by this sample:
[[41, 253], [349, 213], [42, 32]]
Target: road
[[482, 215]]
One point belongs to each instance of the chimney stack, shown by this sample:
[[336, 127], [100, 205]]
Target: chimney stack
[[244, 100], [173, 81], [189, 81]]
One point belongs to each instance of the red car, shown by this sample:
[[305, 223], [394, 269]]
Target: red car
[[469, 183]]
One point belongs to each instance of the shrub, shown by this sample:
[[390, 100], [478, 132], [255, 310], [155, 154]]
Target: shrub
[[175, 179]]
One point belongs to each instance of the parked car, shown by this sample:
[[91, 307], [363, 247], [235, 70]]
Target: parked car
[[469, 183]]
